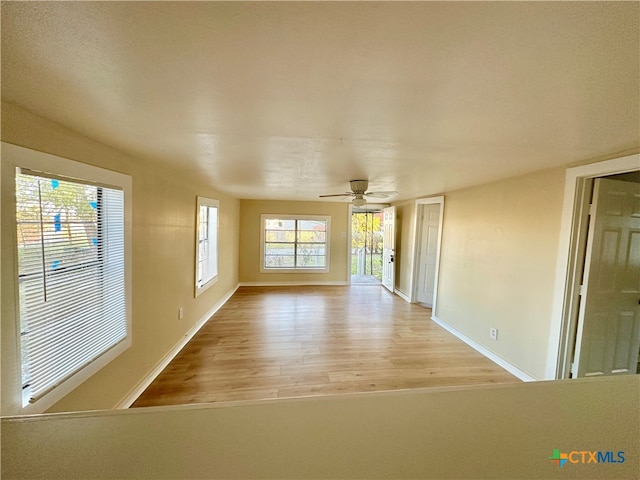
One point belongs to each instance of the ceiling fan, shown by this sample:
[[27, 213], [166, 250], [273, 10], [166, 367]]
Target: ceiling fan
[[359, 191]]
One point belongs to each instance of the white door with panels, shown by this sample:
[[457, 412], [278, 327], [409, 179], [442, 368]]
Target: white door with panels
[[428, 254], [388, 248], [608, 336]]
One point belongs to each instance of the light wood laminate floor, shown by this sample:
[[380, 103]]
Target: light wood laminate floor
[[278, 342]]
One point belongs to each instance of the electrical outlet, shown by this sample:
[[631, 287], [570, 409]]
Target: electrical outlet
[[493, 333], [180, 313]]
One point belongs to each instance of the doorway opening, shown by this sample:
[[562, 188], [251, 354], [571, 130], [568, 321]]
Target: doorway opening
[[428, 235], [367, 226], [596, 329], [429, 213], [605, 336]]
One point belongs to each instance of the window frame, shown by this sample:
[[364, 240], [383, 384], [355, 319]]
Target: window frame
[[327, 244], [209, 203], [13, 158]]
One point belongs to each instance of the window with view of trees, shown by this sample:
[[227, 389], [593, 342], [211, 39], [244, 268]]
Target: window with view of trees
[[71, 277], [295, 243]]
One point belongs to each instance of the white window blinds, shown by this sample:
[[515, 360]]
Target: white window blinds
[[70, 238]]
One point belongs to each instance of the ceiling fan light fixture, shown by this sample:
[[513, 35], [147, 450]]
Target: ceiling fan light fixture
[[359, 202]]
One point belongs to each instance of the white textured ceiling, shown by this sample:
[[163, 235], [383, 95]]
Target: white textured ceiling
[[292, 100]]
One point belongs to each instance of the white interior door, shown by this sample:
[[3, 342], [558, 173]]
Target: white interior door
[[428, 254], [389, 248], [608, 337]]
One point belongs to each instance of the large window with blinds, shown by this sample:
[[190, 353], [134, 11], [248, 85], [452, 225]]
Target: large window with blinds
[[72, 274], [295, 243], [70, 277]]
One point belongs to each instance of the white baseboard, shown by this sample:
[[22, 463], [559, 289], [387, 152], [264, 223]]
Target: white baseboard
[[339, 283], [142, 385], [509, 367], [402, 295]]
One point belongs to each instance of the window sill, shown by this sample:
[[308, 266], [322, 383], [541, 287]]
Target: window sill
[[294, 270], [204, 287]]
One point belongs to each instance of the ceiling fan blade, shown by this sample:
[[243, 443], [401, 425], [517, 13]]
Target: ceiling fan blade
[[337, 195], [380, 194]]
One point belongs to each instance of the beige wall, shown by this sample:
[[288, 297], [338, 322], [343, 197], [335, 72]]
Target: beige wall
[[497, 432], [163, 255], [498, 262], [250, 211]]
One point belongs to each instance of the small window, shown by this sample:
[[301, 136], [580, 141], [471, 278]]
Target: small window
[[206, 244], [295, 243]]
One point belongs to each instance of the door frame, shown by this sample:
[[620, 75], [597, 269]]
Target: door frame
[[349, 226], [375, 207], [417, 231], [571, 251], [394, 250]]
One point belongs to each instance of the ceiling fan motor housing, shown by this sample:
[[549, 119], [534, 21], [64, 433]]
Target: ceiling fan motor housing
[[359, 186]]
